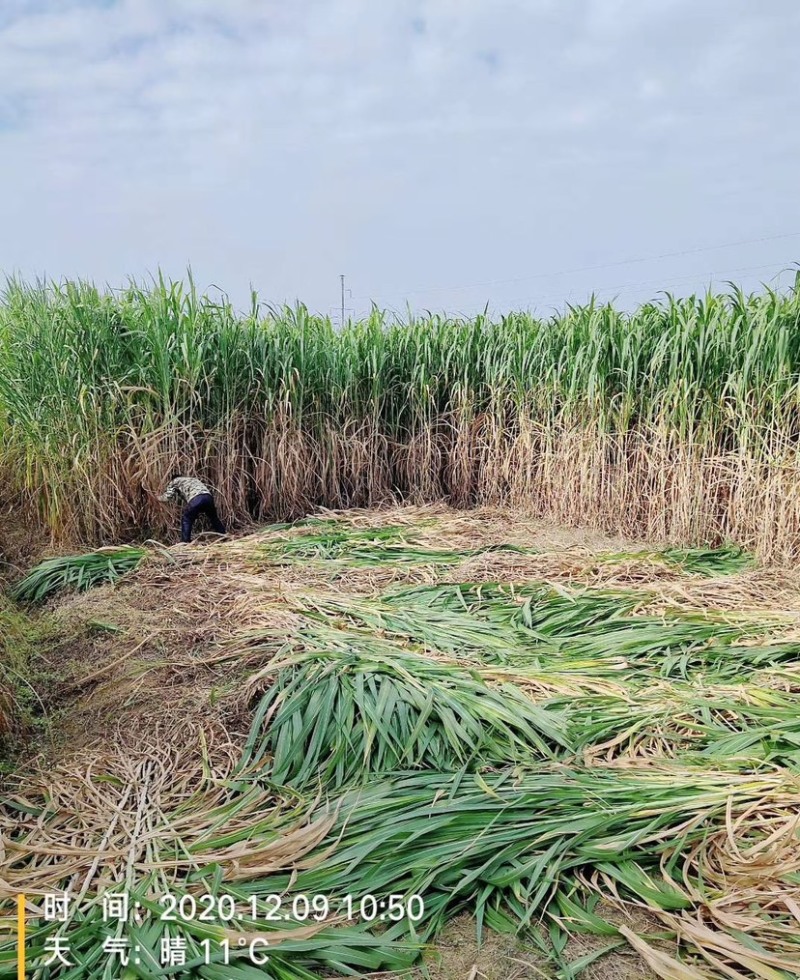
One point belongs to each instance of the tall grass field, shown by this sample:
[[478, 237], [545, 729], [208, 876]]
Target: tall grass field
[[678, 421]]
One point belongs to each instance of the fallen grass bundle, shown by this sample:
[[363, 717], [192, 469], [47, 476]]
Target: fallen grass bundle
[[76, 572], [365, 548], [726, 560], [538, 627], [736, 725], [530, 849], [688, 687], [535, 608], [334, 716], [445, 632]]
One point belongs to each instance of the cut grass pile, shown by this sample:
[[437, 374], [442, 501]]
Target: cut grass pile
[[539, 847], [340, 711], [367, 548], [725, 560], [527, 753], [76, 572]]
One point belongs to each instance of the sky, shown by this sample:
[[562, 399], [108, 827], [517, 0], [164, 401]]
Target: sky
[[441, 154]]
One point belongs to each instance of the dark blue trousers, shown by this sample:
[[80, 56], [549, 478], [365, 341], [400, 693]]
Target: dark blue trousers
[[203, 503]]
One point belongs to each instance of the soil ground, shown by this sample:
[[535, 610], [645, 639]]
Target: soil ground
[[458, 956]]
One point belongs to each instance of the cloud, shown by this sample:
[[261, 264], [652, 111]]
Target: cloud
[[406, 141]]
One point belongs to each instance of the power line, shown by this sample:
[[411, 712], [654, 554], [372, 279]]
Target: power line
[[593, 268], [622, 287]]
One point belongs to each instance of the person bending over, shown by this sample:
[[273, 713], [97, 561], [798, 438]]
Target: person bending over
[[198, 499]]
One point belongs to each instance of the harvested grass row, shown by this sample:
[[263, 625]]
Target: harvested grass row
[[338, 714], [579, 633], [708, 854], [367, 548], [76, 572], [677, 421], [365, 687], [531, 848]]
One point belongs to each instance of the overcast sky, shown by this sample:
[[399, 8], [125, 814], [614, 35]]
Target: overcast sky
[[444, 153]]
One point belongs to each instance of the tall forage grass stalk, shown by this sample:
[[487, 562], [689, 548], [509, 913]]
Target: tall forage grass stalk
[[678, 420]]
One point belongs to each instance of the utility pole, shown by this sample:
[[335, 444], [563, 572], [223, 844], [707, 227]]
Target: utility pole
[[342, 281]]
